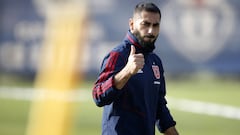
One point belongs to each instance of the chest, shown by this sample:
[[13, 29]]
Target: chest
[[148, 80]]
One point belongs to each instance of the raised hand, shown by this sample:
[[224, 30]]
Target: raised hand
[[135, 61]]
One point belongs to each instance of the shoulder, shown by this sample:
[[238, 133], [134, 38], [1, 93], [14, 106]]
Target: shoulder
[[122, 48], [121, 51]]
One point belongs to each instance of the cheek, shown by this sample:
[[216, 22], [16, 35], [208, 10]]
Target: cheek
[[156, 31], [142, 31]]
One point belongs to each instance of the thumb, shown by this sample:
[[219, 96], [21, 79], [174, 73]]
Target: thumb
[[133, 50]]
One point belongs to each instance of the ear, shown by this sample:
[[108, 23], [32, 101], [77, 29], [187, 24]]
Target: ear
[[131, 23]]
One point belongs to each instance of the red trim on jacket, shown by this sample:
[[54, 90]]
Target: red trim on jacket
[[133, 41], [101, 86]]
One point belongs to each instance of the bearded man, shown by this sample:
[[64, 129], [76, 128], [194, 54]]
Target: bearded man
[[131, 85]]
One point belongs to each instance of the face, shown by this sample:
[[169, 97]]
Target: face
[[145, 26]]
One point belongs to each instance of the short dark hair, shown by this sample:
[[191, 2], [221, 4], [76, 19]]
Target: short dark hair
[[147, 6]]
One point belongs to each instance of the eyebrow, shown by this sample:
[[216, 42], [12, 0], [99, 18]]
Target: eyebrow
[[154, 24]]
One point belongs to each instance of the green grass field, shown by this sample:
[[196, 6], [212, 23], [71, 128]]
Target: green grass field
[[87, 117]]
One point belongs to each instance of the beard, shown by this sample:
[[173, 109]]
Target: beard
[[148, 46]]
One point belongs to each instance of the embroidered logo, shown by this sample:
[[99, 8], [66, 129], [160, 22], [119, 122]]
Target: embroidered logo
[[156, 71]]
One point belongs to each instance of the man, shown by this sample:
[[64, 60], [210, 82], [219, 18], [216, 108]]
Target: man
[[131, 85]]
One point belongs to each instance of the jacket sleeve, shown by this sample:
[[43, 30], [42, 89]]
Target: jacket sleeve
[[104, 92], [164, 118]]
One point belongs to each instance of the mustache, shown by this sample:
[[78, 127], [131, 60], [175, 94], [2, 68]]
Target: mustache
[[149, 36]]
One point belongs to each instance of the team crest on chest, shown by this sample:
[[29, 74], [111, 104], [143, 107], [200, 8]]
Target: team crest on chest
[[156, 71]]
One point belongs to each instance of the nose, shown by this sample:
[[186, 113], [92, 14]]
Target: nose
[[150, 30]]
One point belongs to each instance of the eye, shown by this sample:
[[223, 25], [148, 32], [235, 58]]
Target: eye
[[146, 24], [156, 25]]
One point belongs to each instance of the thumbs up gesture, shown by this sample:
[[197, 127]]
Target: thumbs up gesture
[[135, 61]]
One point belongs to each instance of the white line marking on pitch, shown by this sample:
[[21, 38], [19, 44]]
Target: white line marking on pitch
[[207, 108], [185, 105]]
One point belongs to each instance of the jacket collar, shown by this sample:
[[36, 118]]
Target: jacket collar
[[134, 41]]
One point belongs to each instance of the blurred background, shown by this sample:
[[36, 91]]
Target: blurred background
[[199, 46]]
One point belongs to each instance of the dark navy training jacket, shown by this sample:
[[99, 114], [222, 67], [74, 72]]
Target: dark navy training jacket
[[135, 109]]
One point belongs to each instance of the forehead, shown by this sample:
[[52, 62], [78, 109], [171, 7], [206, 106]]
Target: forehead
[[148, 16]]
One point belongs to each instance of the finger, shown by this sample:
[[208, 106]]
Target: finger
[[140, 59], [133, 50], [139, 55], [140, 63]]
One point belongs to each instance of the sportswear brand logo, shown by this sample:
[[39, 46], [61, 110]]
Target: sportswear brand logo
[[156, 71], [157, 82], [140, 71]]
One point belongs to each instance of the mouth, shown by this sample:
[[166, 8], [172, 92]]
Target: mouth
[[149, 38]]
